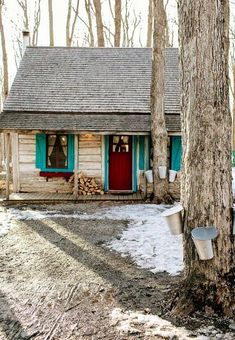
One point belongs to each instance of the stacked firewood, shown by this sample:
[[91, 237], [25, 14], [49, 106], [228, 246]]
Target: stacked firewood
[[87, 185]]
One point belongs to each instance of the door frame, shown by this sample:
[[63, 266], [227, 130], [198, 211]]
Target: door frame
[[106, 162]]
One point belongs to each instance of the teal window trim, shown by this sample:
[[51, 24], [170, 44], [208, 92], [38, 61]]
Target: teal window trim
[[106, 163], [41, 154], [134, 163], [233, 158], [176, 153]]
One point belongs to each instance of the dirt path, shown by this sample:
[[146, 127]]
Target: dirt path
[[58, 280]]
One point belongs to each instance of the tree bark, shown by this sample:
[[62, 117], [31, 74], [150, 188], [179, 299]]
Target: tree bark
[[206, 131], [90, 26], [51, 28], [5, 88], [158, 126], [150, 24], [233, 113], [118, 20], [99, 23]]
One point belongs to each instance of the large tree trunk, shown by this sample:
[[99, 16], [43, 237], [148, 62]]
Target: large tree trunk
[[118, 21], [99, 23], [51, 28], [158, 126], [5, 88], [233, 113], [150, 24], [206, 131]]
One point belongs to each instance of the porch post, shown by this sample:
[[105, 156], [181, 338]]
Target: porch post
[[8, 138], [75, 189], [15, 162]]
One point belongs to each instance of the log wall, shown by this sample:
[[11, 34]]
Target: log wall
[[89, 158]]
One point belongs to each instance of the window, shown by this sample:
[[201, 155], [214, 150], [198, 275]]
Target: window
[[57, 151], [120, 144]]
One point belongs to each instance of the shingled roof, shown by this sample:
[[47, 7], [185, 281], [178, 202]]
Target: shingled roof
[[98, 89]]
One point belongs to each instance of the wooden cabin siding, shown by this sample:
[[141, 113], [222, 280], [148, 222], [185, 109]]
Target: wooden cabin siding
[[89, 162], [30, 181], [90, 156]]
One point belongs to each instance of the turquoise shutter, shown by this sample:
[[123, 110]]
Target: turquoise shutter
[[71, 152], [176, 151], [106, 163], [141, 152], [40, 150]]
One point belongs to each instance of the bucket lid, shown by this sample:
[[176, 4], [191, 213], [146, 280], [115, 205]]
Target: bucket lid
[[204, 233], [172, 211]]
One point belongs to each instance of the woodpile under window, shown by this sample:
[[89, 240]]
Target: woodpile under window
[[87, 185]]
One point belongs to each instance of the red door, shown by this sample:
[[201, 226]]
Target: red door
[[120, 163]]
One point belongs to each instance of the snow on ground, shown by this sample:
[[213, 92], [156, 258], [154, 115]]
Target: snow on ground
[[147, 238], [130, 322]]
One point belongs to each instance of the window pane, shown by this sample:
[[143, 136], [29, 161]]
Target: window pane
[[57, 151], [115, 139]]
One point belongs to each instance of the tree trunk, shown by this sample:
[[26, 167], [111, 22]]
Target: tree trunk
[[51, 28], [5, 88], [99, 23], [118, 19], [206, 131], [233, 113], [158, 126], [150, 24], [90, 26]]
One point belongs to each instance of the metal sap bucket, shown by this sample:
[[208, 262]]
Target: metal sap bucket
[[202, 238], [162, 171], [149, 176], [172, 175], [174, 219]]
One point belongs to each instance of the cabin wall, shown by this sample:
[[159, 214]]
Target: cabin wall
[[89, 160], [90, 156]]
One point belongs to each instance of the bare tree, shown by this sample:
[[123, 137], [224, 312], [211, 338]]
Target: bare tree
[[206, 132], [117, 21], [129, 28], [90, 25], [99, 23], [24, 6], [158, 126], [150, 24], [5, 87], [51, 28], [37, 20], [71, 23]]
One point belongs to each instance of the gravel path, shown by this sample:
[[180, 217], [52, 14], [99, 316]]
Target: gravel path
[[59, 281]]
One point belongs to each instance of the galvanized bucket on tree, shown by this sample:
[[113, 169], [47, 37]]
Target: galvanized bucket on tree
[[202, 237], [172, 175], [162, 171], [149, 176], [174, 219]]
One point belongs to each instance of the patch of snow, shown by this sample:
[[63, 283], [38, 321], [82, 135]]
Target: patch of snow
[[147, 239], [130, 322]]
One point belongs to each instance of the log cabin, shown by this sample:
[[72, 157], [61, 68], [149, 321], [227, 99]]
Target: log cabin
[[84, 113]]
